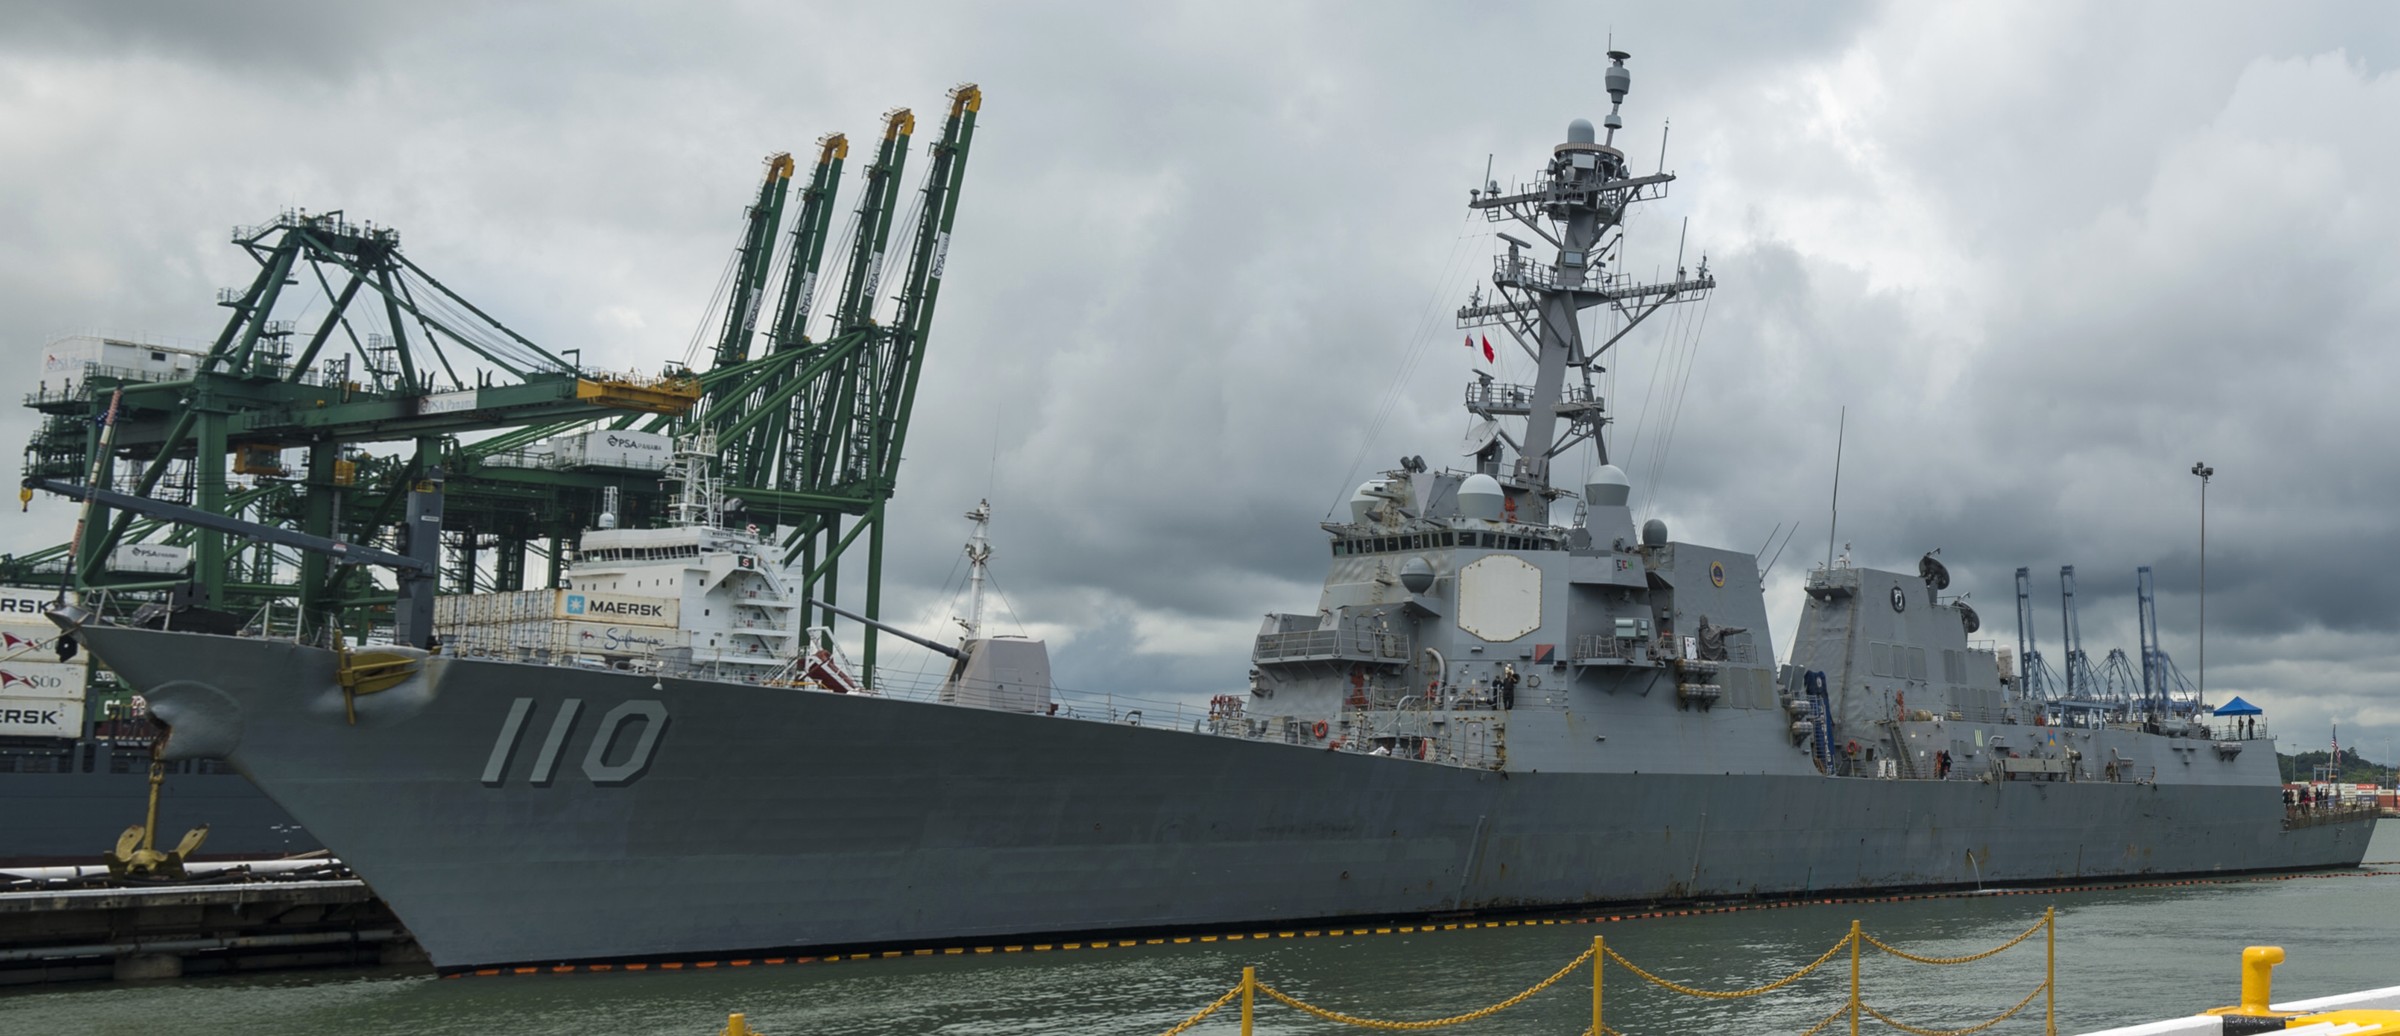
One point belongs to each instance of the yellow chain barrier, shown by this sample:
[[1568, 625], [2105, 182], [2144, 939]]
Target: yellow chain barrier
[[1599, 956], [1968, 959], [1977, 1027], [1204, 1012], [1838, 1012], [1431, 1023], [1734, 994]]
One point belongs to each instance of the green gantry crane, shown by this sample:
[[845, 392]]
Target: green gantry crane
[[811, 429], [441, 367]]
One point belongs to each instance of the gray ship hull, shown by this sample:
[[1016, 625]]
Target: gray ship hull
[[744, 817]]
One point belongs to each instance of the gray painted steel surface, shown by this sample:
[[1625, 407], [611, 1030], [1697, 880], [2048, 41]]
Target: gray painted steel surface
[[774, 817]]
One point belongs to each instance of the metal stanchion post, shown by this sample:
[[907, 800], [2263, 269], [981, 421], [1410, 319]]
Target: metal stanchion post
[[1854, 1000], [1249, 986], [2050, 975], [1599, 960]]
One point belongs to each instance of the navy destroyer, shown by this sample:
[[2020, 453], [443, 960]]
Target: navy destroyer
[[1507, 697]]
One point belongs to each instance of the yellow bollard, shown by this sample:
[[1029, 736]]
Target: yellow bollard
[[2258, 974], [738, 1024], [1249, 985], [1599, 961], [1854, 1000]]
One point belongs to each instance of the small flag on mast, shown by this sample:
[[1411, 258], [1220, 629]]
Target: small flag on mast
[[1488, 354]]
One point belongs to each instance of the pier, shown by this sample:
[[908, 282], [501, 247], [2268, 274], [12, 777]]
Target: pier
[[69, 934]]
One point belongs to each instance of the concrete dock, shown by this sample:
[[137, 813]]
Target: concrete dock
[[165, 931]]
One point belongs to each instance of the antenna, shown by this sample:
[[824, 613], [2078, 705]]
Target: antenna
[[1839, 431], [1787, 541], [1663, 127]]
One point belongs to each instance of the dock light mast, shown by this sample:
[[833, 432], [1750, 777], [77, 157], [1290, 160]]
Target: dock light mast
[[2205, 472]]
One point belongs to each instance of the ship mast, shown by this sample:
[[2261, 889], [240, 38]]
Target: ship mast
[[698, 500], [979, 552], [1577, 205]]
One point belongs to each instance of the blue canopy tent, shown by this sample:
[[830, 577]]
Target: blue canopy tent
[[2237, 707]]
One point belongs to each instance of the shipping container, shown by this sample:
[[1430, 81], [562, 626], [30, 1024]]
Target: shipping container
[[535, 605], [67, 362], [154, 558], [48, 678], [22, 607], [610, 448], [627, 609], [548, 638], [40, 717], [33, 642], [617, 640]]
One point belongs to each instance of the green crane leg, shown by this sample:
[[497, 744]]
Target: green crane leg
[[866, 665], [208, 471], [830, 583], [317, 519]]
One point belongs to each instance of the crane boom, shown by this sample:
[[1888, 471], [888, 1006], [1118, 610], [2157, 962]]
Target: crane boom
[[752, 262]]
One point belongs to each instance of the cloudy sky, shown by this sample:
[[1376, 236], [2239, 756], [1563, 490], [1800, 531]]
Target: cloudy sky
[[2047, 256]]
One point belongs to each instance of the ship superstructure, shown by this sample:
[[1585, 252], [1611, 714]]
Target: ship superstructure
[[1508, 697], [696, 596], [1455, 595]]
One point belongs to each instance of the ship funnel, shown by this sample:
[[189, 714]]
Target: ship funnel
[[1605, 512]]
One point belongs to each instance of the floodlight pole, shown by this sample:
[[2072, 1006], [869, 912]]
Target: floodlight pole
[[2205, 472]]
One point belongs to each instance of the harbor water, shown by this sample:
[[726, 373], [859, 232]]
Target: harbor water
[[2124, 954]]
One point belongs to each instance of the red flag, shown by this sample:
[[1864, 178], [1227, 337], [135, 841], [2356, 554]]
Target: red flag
[[1488, 354]]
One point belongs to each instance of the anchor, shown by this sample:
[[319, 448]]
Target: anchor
[[137, 855]]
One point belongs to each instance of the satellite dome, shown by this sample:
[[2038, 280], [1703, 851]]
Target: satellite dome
[[1416, 575], [1654, 533], [1580, 132], [1480, 497], [1608, 488]]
